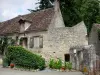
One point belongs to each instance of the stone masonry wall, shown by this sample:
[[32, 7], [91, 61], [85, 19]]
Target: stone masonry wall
[[88, 59], [93, 39], [60, 40]]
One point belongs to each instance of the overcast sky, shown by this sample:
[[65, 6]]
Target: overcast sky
[[13, 8]]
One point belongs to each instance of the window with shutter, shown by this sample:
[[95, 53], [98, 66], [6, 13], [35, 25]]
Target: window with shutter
[[36, 42], [41, 42], [31, 42]]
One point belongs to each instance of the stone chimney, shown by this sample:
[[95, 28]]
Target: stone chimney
[[56, 5], [58, 16]]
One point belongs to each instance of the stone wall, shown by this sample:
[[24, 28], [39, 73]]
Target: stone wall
[[61, 39], [88, 59], [93, 39]]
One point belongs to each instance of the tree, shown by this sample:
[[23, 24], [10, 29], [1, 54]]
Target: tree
[[74, 11], [90, 10], [43, 4], [69, 12]]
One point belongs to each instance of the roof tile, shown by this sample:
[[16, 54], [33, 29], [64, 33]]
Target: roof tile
[[40, 21]]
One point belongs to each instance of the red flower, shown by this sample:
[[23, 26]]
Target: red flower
[[11, 65], [63, 68]]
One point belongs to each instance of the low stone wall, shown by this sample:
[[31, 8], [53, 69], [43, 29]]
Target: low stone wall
[[88, 62]]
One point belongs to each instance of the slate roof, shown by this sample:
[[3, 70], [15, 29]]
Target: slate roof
[[40, 22]]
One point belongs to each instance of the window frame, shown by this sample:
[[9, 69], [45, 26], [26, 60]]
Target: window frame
[[40, 42]]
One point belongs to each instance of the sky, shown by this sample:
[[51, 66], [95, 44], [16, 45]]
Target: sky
[[12, 8]]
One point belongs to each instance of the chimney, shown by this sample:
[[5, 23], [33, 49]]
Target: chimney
[[56, 5], [58, 16]]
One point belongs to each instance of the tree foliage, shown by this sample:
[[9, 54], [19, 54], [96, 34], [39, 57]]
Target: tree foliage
[[69, 12], [74, 11], [44, 4]]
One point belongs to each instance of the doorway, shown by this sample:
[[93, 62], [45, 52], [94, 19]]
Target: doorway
[[23, 42]]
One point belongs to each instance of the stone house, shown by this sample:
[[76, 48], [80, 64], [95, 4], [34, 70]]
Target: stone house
[[44, 32]]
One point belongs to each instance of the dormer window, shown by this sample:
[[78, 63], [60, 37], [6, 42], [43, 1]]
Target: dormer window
[[21, 21], [24, 25]]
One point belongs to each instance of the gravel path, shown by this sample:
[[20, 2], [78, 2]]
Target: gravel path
[[6, 71]]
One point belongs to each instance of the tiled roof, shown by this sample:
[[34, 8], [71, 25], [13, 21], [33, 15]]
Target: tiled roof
[[40, 21]]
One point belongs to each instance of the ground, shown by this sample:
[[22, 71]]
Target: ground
[[6, 71]]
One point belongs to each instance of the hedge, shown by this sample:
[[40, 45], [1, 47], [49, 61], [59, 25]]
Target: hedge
[[23, 58]]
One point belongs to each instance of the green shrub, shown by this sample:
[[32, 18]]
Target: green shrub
[[23, 58], [55, 64], [51, 63], [5, 62], [59, 64], [68, 65]]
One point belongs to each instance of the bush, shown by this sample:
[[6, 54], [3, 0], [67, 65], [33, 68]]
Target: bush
[[51, 63], [5, 62], [55, 64], [68, 65], [23, 58]]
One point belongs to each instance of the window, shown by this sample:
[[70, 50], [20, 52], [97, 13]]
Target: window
[[67, 57], [23, 42], [36, 42], [24, 24]]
